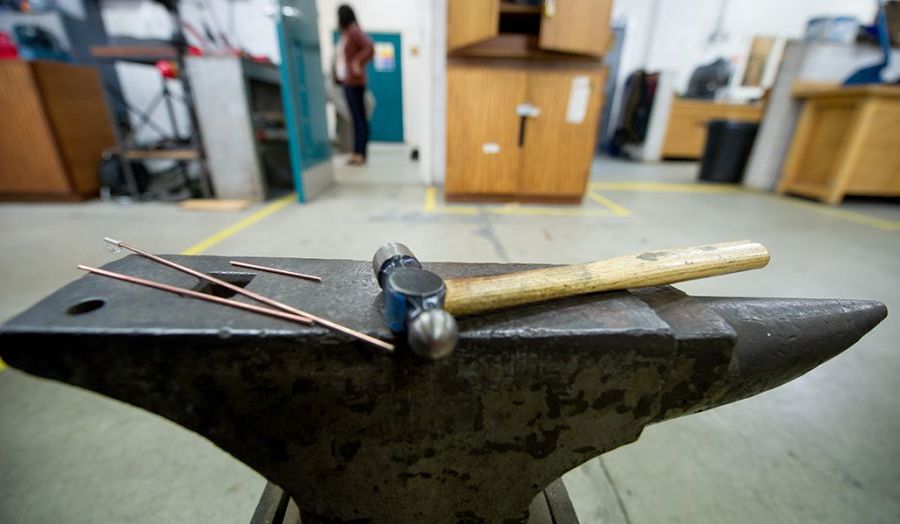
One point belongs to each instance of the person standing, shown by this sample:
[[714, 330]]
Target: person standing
[[354, 51]]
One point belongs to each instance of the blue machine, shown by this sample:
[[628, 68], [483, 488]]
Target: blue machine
[[872, 74]]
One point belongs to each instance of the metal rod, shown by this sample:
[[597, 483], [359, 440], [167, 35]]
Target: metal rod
[[256, 296], [196, 294], [210, 278], [276, 270]]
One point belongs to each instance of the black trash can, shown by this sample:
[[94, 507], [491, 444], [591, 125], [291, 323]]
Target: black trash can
[[728, 144]]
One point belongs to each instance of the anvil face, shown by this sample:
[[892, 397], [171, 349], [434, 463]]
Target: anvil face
[[353, 434]]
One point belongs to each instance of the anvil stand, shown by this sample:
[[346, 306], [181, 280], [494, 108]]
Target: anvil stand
[[551, 506]]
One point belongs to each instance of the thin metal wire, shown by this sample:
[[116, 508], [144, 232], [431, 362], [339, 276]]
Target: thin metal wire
[[276, 270], [195, 294], [256, 296]]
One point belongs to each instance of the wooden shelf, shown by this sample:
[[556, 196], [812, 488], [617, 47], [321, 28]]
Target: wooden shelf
[[161, 154], [143, 54], [523, 9], [516, 46]]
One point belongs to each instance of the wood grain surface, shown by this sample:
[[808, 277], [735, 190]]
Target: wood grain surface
[[29, 161], [577, 26], [478, 294], [76, 107], [557, 154], [481, 109], [470, 21], [686, 131]]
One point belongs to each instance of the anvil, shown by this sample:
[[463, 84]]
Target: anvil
[[352, 434]]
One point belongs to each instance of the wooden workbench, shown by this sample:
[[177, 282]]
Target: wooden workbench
[[846, 143], [688, 119]]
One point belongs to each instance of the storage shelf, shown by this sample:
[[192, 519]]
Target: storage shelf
[[142, 54], [161, 154], [524, 9]]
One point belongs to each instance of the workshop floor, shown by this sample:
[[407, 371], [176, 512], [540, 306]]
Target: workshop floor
[[823, 448]]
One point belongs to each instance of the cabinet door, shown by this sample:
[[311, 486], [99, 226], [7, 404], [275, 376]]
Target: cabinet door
[[29, 159], [576, 26], [471, 21], [482, 128], [559, 142]]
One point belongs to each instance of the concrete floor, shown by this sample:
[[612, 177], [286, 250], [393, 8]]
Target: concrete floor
[[823, 448]]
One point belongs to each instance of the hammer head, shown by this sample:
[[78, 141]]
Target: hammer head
[[414, 302]]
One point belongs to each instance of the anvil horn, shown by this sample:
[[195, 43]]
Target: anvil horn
[[780, 339]]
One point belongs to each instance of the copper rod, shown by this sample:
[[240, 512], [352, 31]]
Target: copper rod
[[256, 296], [210, 278], [276, 270], [195, 294]]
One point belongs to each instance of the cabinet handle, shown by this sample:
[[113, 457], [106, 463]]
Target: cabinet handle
[[522, 121], [525, 111]]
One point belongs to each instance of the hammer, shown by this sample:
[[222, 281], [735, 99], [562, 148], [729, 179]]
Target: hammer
[[421, 304]]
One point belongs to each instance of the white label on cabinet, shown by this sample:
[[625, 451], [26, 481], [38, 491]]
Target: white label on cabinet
[[490, 148], [579, 96], [528, 110]]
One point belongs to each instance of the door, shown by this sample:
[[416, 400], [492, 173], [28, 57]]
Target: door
[[576, 26], [471, 21], [483, 153], [385, 76], [303, 97], [560, 139]]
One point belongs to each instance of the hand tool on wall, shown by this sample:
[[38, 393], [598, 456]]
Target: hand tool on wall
[[421, 304], [360, 436]]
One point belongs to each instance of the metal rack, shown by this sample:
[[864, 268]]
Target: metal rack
[[149, 54]]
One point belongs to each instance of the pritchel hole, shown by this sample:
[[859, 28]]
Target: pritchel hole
[[237, 279], [86, 306]]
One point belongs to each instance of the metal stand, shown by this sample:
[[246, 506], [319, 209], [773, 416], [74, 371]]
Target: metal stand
[[550, 506], [194, 151]]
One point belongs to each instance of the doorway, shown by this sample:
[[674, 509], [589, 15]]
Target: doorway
[[385, 76]]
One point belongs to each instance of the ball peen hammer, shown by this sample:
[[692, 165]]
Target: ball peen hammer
[[421, 304]]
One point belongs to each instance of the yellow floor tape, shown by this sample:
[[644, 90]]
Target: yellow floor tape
[[237, 227], [609, 208]]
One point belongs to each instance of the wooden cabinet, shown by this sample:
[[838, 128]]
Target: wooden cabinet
[[846, 142], [569, 26], [54, 129], [521, 130], [688, 118], [524, 97]]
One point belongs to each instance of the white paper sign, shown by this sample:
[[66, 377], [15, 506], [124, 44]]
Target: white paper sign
[[490, 148], [579, 96]]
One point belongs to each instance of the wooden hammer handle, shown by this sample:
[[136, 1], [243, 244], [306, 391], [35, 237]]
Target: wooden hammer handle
[[466, 296]]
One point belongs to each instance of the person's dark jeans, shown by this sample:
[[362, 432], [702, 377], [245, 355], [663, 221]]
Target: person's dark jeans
[[357, 102]]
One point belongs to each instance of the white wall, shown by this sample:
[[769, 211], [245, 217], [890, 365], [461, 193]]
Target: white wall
[[248, 23], [673, 34], [679, 40], [409, 18]]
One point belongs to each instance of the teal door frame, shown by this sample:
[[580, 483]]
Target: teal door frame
[[303, 97]]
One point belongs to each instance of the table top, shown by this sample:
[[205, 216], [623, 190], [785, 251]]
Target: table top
[[822, 90]]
